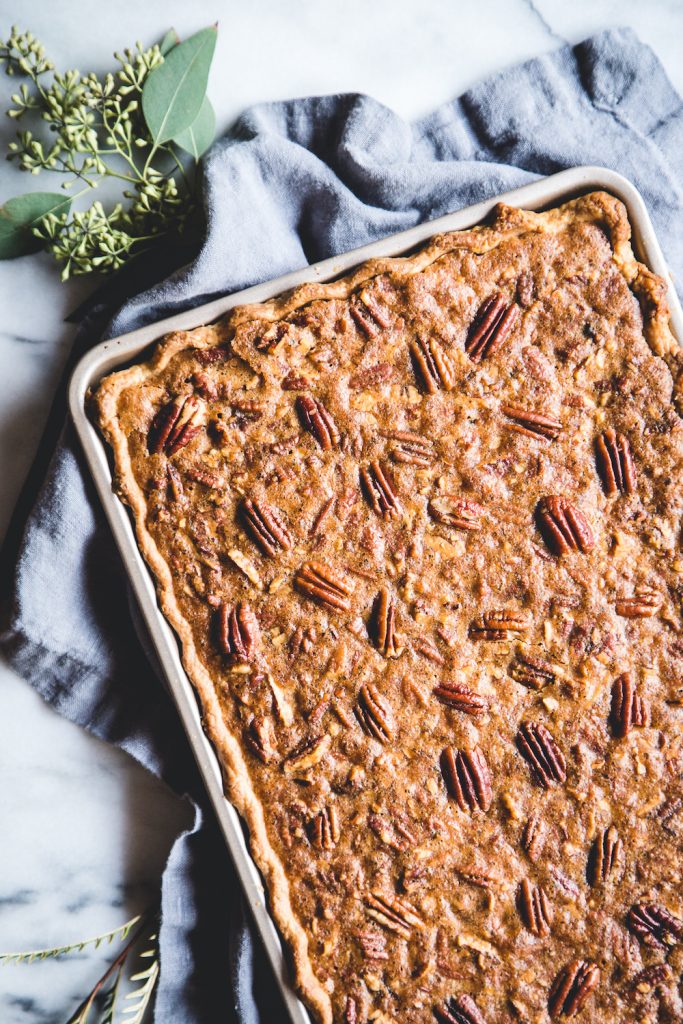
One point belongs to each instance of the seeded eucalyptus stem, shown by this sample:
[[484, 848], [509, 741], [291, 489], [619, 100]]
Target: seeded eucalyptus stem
[[136, 126]]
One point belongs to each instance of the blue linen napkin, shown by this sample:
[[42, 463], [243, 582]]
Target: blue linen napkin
[[293, 183]]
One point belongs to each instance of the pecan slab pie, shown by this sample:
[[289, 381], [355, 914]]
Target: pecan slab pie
[[418, 531]]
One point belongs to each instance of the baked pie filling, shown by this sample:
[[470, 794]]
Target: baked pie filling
[[418, 531]]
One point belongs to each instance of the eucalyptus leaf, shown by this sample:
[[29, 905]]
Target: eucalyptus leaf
[[196, 139], [19, 215], [170, 40], [173, 93]]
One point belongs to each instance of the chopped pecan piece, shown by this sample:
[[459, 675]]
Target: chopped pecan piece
[[538, 747], [435, 367], [467, 778], [564, 527], [605, 857], [374, 713], [532, 424], [323, 829], [531, 671], [460, 697], [654, 925], [534, 908], [258, 738], [533, 838], [628, 707], [324, 585], [316, 419], [379, 489], [371, 376], [175, 425], [307, 755], [645, 603], [571, 988], [505, 624], [615, 463], [490, 327], [393, 913], [238, 632], [411, 449], [217, 354], [459, 1010], [383, 624], [265, 527], [461, 513], [294, 382]]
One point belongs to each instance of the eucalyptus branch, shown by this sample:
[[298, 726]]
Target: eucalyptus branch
[[138, 125]]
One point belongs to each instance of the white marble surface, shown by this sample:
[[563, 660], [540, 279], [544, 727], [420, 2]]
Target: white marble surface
[[84, 832]]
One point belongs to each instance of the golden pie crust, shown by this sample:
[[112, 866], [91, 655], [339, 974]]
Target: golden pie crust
[[418, 532]]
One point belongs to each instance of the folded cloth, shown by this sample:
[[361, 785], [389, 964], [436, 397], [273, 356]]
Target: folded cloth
[[292, 183]]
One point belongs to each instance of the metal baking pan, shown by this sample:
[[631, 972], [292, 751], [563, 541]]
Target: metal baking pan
[[111, 355]]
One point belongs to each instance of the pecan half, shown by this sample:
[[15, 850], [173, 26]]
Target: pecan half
[[393, 913], [383, 624], [316, 419], [490, 327], [534, 908], [628, 707], [539, 749], [460, 697], [645, 603], [238, 632], [435, 367], [505, 624], [379, 489], [371, 376], [307, 755], [525, 289], [650, 977], [571, 988], [615, 463], [564, 527], [461, 513], [654, 925], [323, 829], [605, 857], [467, 778], [459, 1010], [175, 425], [411, 449], [531, 671], [395, 833], [532, 424], [324, 585], [374, 713], [258, 738], [427, 649], [265, 527], [351, 1010], [533, 838], [368, 315]]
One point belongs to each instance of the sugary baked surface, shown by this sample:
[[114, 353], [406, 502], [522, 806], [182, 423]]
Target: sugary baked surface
[[418, 532]]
